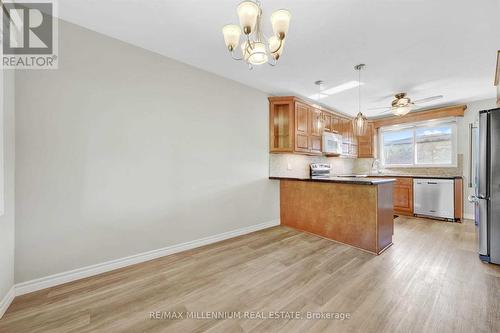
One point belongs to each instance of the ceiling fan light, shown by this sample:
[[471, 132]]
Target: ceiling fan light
[[248, 11], [401, 110], [232, 34], [280, 21]]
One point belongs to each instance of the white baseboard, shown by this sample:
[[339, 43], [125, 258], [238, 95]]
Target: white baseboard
[[80, 273], [5, 302]]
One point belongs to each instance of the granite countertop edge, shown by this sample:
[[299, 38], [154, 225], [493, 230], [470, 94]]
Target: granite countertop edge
[[342, 180], [417, 176]]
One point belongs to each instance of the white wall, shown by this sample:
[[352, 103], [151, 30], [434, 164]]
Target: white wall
[[471, 116], [7, 219], [122, 151]]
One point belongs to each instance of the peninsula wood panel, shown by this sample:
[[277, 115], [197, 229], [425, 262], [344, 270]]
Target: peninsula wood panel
[[347, 213]]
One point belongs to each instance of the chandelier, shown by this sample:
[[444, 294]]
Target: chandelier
[[256, 49]]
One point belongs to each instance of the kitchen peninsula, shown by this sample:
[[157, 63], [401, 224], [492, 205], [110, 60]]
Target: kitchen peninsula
[[354, 211]]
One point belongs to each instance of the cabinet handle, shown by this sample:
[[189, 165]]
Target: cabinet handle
[[470, 155]]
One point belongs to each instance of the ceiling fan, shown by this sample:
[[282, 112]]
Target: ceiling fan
[[402, 104]]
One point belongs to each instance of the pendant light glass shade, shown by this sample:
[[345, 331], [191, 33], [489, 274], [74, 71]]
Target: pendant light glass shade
[[275, 48], [232, 35], [248, 12], [280, 20], [359, 124]]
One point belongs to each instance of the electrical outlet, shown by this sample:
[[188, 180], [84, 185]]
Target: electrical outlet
[[289, 166]]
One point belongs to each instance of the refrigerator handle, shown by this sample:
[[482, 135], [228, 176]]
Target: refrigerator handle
[[470, 155]]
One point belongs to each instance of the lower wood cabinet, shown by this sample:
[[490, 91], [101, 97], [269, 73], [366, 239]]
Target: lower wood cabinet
[[403, 196]]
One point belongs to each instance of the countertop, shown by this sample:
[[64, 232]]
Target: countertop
[[415, 176], [343, 180]]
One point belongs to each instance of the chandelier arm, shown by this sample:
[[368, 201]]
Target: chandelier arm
[[279, 46], [249, 44]]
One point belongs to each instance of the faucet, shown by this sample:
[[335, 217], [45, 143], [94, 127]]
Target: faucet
[[376, 165]]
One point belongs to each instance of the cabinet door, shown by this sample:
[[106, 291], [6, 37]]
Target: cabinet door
[[301, 127], [281, 126], [335, 124], [315, 131], [327, 122], [365, 142], [315, 123], [403, 196]]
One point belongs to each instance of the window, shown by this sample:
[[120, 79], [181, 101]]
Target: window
[[428, 144]]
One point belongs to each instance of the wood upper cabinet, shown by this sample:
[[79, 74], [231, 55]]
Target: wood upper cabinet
[[365, 142], [327, 121], [297, 127], [315, 130], [403, 196], [294, 126], [302, 120], [281, 126], [335, 124]]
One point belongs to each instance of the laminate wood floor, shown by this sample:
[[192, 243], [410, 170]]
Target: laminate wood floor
[[430, 280]]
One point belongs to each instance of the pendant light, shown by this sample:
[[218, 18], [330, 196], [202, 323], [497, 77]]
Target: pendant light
[[359, 124]]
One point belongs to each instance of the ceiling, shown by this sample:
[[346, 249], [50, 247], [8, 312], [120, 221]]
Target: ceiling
[[422, 47]]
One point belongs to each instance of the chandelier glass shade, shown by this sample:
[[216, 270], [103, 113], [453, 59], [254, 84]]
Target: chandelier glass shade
[[256, 49]]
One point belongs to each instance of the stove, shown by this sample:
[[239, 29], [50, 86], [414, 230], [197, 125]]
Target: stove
[[320, 170]]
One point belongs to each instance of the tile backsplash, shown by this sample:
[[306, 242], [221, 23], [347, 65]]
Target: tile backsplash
[[364, 166], [292, 165]]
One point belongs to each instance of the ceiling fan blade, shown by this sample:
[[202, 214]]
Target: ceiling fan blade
[[380, 108], [384, 112], [428, 99]]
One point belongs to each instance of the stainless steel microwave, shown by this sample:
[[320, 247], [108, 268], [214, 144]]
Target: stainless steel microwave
[[332, 143]]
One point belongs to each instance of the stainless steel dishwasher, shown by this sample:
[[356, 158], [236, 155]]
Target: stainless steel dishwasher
[[434, 197]]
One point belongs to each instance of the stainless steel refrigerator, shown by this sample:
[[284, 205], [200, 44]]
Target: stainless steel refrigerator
[[487, 190]]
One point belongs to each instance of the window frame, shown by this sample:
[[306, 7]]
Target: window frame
[[414, 126]]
